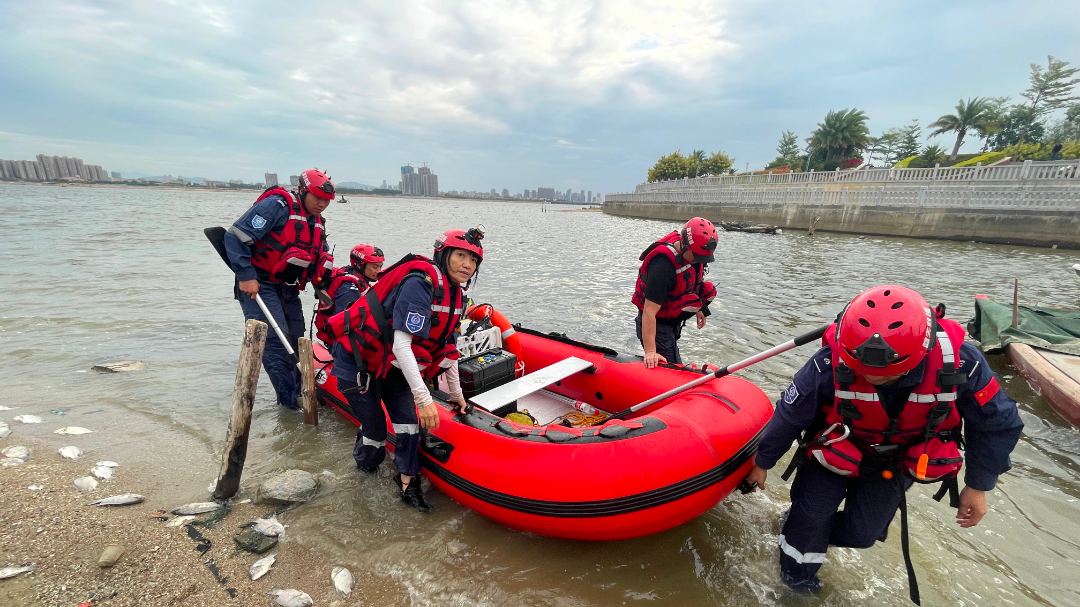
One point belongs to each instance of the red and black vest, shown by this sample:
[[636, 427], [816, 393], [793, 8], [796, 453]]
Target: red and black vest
[[930, 407], [364, 331], [289, 255], [338, 277], [691, 291]]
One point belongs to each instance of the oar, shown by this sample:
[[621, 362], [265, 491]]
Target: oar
[[728, 370], [216, 236]]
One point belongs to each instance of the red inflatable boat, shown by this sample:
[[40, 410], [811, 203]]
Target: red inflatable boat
[[620, 479]]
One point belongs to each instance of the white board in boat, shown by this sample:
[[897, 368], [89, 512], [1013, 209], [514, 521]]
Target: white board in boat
[[493, 399]]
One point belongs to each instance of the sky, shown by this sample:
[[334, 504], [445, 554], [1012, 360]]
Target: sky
[[490, 93]]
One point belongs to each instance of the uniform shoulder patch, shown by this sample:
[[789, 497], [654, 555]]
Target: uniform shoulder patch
[[414, 321], [791, 394], [258, 222]]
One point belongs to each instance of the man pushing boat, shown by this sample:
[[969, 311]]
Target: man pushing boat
[[671, 289], [879, 407], [275, 248]]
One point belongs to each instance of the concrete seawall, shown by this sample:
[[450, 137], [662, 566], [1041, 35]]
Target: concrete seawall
[[1035, 204], [1020, 227]]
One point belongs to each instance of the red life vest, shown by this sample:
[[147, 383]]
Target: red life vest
[[922, 438], [290, 255], [338, 277], [358, 329], [691, 291]]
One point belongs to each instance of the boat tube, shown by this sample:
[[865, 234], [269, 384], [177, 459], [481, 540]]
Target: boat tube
[[616, 479]]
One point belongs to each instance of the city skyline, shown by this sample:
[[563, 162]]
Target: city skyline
[[486, 90]]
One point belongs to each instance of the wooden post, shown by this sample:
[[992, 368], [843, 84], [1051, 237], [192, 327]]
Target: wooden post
[[247, 379], [1016, 306], [308, 399]]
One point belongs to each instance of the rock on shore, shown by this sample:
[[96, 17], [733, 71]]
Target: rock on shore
[[289, 487]]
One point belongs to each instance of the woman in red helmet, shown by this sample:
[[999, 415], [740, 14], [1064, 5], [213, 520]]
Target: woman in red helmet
[[348, 283], [275, 248], [392, 341], [671, 288], [885, 403]]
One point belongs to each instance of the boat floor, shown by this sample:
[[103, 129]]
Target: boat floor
[[1066, 363]]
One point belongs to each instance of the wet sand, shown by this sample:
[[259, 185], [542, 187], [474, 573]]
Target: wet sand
[[55, 529]]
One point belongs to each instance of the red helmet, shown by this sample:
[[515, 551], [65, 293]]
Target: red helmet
[[886, 330], [699, 235], [365, 253], [461, 239], [318, 183]]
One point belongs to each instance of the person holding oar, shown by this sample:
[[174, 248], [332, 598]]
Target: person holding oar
[[400, 335], [887, 402], [275, 248], [671, 289]]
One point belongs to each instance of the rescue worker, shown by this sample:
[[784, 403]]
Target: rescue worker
[[396, 338], [275, 248], [671, 288], [347, 284], [879, 407]]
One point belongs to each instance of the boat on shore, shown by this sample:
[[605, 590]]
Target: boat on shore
[[1054, 374], [604, 479], [746, 226]]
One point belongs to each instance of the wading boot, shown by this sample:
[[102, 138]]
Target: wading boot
[[368, 471], [412, 495], [807, 586]]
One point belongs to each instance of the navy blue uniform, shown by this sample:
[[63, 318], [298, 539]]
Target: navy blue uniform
[[283, 301], [990, 431], [408, 308]]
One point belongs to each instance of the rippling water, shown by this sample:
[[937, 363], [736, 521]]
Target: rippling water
[[95, 274]]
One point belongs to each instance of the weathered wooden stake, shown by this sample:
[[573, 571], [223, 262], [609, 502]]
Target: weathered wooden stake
[[1016, 306], [236, 440], [308, 398]]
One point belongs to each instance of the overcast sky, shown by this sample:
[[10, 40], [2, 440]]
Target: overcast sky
[[491, 93]]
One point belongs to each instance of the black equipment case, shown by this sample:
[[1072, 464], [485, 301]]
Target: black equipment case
[[485, 371]]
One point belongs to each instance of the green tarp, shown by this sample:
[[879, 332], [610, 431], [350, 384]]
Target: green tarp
[[1052, 329]]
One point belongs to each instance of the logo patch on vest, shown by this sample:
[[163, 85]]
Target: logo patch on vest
[[791, 394], [258, 222], [414, 321]]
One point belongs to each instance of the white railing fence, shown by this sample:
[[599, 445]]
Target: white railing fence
[[1027, 172]]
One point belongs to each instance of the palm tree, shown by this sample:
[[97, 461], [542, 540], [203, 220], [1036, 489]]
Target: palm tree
[[841, 133], [977, 113], [931, 155], [695, 160]]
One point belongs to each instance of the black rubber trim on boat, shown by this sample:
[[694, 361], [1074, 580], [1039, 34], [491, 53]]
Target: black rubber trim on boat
[[599, 508]]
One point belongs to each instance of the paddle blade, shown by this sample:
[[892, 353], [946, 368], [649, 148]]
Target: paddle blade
[[216, 236]]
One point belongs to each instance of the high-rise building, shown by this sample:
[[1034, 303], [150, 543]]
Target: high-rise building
[[589, 197], [599, 198], [505, 193], [419, 181], [116, 175], [294, 180], [271, 179], [545, 193]]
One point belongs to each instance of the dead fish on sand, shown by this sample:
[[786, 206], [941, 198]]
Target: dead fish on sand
[[27, 419], [73, 430], [85, 483], [102, 472], [118, 500], [7, 572], [6, 408], [262, 566], [196, 508], [343, 580], [180, 520], [18, 451], [71, 452], [108, 463], [8, 462], [270, 527], [289, 597]]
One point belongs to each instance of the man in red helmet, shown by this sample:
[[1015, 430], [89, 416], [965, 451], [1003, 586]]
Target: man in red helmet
[[879, 407], [275, 248], [671, 288], [348, 283], [392, 341]]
